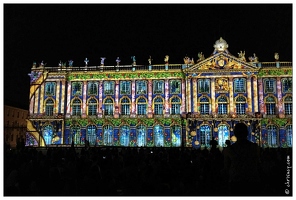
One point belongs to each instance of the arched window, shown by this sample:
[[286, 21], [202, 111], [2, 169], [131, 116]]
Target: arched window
[[108, 106], [108, 135], [223, 135], [91, 134], [239, 85], [158, 136], [176, 104], [48, 134], [270, 105], [205, 135], [124, 135], [158, 106], [222, 105], [289, 132], [141, 135], [176, 135], [92, 107], [288, 105], [141, 106], [75, 134], [125, 106], [272, 136], [141, 87], [204, 104], [49, 105], [204, 85], [92, 88], [76, 107], [240, 104]]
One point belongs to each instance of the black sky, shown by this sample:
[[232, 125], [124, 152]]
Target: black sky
[[54, 32]]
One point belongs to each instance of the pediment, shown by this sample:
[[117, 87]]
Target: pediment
[[221, 61]]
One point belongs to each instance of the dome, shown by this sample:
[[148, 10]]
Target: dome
[[221, 45]]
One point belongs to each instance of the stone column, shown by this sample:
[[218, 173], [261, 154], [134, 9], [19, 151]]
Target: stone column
[[84, 99], [57, 102], [150, 112], [249, 95], [255, 94], [261, 98], [194, 84], [213, 99], [41, 108], [100, 99], [279, 98], [166, 94], [69, 109]]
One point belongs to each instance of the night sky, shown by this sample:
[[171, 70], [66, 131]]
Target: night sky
[[54, 32]]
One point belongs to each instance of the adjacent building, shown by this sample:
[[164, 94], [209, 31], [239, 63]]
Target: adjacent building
[[15, 125], [169, 105]]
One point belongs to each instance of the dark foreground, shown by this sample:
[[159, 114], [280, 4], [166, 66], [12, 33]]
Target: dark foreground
[[134, 172]]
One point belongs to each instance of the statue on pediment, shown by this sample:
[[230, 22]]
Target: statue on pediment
[[200, 56], [254, 58], [276, 56], [187, 60], [241, 55]]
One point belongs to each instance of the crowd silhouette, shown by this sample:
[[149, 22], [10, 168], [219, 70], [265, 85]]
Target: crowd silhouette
[[133, 171]]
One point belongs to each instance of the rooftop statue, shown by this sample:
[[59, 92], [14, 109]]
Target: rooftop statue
[[241, 55], [276, 56], [166, 59], [103, 60], [86, 61], [254, 58], [200, 56], [133, 59], [150, 60], [117, 60], [70, 63]]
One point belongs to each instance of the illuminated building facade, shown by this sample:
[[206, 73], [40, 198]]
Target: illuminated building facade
[[169, 105]]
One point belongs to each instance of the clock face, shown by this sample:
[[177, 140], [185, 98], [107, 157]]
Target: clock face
[[221, 63]]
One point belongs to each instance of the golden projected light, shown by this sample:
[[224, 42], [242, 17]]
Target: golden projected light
[[193, 133]]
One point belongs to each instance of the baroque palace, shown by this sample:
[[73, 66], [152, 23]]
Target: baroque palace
[[168, 105]]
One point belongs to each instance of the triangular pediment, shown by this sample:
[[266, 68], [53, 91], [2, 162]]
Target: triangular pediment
[[221, 61]]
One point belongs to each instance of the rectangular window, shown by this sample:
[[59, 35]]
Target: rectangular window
[[269, 86], [125, 87], [158, 87], [175, 86], [92, 88], [50, 88], [239, 85], [204, 85], [76, 88], [109, 87], [141, 87], [287, 85]]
